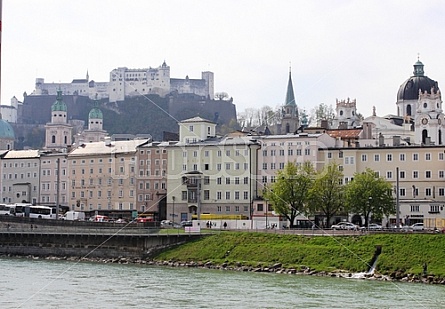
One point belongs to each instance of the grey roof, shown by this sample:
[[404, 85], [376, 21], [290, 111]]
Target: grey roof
[[22, 154], [106, 147], [196, 119]]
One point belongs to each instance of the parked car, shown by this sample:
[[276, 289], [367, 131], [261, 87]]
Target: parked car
[[372, 227], [414, 227], [417, 227], [186, 223], [344, 226]]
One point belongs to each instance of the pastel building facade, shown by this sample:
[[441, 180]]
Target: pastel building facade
[[103, 176], [211, 175]]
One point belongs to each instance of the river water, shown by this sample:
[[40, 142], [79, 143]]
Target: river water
[[27, 283]]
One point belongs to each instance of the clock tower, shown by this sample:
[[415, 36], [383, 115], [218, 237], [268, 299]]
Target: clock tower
[[429, 119]]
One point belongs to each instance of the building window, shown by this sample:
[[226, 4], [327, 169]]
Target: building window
[[428, 192], [206, 194], [376, 157], [427, 174], [434, 209], [415, 174], [227, 180], [415, 157], [415, 208], [364, 158], [428, 157], [227, 195], [389, 157]]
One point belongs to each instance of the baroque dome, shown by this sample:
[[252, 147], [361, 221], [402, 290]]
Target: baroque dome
[[6, 131], [409, 90], [95, 113], [59, 105]]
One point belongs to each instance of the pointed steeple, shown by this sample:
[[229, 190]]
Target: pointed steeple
[[290, 98]]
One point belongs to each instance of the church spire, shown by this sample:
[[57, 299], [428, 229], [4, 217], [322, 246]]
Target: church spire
[[290, 98]]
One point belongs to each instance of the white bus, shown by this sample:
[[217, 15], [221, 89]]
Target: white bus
[[5, 210], [17, 209], [40, 212]]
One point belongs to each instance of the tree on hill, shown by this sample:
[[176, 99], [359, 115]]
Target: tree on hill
[[321, 112], [326, 193], [289, 194], [368, 194]]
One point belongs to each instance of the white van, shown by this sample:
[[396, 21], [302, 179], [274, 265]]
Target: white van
[[74, 215]]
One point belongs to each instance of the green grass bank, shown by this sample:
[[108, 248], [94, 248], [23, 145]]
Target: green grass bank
[[401, 253]]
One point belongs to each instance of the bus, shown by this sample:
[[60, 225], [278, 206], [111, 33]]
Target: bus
[[5, 210], [220, 217], [17, 209], [40, 212]]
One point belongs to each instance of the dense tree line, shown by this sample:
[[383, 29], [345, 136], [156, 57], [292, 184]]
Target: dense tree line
[[300, 190]]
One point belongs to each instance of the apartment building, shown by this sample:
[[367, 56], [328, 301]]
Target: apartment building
[[20, 179], [54, 186], [209, 174], [103, 176], [151, 159], [420, 181]]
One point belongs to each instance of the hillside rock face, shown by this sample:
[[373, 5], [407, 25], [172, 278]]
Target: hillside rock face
[[149, 114]]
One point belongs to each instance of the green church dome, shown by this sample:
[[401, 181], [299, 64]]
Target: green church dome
[[59, 105], [95, 112], [6, 131]]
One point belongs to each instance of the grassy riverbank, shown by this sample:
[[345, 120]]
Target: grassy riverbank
[[402, 253]]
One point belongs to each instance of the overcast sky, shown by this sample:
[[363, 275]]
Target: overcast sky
[[337, 49]]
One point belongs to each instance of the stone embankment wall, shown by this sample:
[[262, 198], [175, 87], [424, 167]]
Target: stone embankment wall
[[83, 239]]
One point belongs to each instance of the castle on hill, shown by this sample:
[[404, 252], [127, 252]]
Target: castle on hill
[[125, 82]]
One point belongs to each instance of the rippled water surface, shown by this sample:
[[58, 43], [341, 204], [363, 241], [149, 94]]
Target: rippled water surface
[[27, 283]]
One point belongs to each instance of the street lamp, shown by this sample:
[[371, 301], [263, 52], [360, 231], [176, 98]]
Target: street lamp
[[173, 214]]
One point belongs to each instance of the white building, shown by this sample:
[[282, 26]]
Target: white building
[[125, 82], [211, 175]]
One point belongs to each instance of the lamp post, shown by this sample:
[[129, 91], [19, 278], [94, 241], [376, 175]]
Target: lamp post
[[173, 214], [266, 213], [369, 207]]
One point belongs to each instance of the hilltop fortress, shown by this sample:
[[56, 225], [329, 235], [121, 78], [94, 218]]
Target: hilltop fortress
[[125, 82]]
